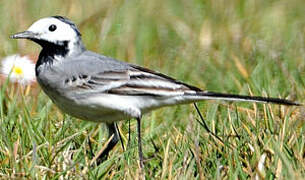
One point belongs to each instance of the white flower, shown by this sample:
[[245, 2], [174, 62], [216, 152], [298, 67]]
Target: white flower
[[18, 69]]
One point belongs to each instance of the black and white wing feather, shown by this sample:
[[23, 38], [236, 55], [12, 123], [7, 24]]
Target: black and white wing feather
[[145, 82]]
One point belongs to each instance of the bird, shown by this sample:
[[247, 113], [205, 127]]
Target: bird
[[94, 87]]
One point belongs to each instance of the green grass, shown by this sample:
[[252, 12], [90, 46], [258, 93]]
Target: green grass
[[245, 47]]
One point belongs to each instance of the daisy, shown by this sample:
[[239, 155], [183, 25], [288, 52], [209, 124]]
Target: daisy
[[18, 69]]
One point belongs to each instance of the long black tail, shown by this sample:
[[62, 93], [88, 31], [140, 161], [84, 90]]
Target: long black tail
[[235, 97]]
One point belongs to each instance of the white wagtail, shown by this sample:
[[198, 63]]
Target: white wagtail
[[97, 88]]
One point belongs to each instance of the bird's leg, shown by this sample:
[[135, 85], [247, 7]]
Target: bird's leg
[[140, 143], [112, 132], [204, 124]]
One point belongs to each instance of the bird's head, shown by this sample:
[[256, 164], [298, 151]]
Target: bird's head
[[53, 31]]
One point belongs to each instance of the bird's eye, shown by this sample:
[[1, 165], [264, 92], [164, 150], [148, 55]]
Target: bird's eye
[[52, 27]]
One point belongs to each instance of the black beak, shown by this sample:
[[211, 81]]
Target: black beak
[[24, 35]]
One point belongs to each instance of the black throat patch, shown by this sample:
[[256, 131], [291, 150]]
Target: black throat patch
[[50, 51], [54, 49]]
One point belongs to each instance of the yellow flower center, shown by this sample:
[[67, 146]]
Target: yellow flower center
[[17, 70]]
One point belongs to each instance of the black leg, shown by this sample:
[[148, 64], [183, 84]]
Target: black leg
[[112, 131], [140, 143], [204, 124]]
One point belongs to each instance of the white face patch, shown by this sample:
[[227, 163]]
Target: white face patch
[[62, 32]]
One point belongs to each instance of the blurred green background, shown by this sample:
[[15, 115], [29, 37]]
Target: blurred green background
[[246, 47]]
